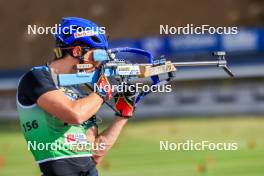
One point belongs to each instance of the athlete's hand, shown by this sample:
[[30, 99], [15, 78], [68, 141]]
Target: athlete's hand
[[103, 88], [125, 103]]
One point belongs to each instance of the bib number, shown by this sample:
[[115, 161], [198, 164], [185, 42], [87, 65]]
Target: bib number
[[28, 126]]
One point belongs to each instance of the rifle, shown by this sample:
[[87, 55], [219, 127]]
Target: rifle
[[122, 70]]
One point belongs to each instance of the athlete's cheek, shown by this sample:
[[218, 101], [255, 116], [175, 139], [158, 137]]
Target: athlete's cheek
[[88, 58]]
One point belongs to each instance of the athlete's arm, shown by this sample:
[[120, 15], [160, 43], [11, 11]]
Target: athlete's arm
[[108, 138], [74, 112], [37, 87], [125, 105]]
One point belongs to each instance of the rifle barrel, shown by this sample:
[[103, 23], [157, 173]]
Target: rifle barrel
[[197, 63], [200, 63]]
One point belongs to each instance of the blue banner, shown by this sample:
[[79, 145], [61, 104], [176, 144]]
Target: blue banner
[[247, 39]]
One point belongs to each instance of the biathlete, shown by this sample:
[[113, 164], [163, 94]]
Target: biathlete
[[60, 118]]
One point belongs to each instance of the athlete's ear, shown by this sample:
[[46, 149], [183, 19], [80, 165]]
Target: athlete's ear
[[77, 51]]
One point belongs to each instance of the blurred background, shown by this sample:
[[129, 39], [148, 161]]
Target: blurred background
[[205, 103]]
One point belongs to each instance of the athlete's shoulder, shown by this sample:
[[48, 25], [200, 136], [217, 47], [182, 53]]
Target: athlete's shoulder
[[37, 76], [39, 72], [34, 83], [36, 72]]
